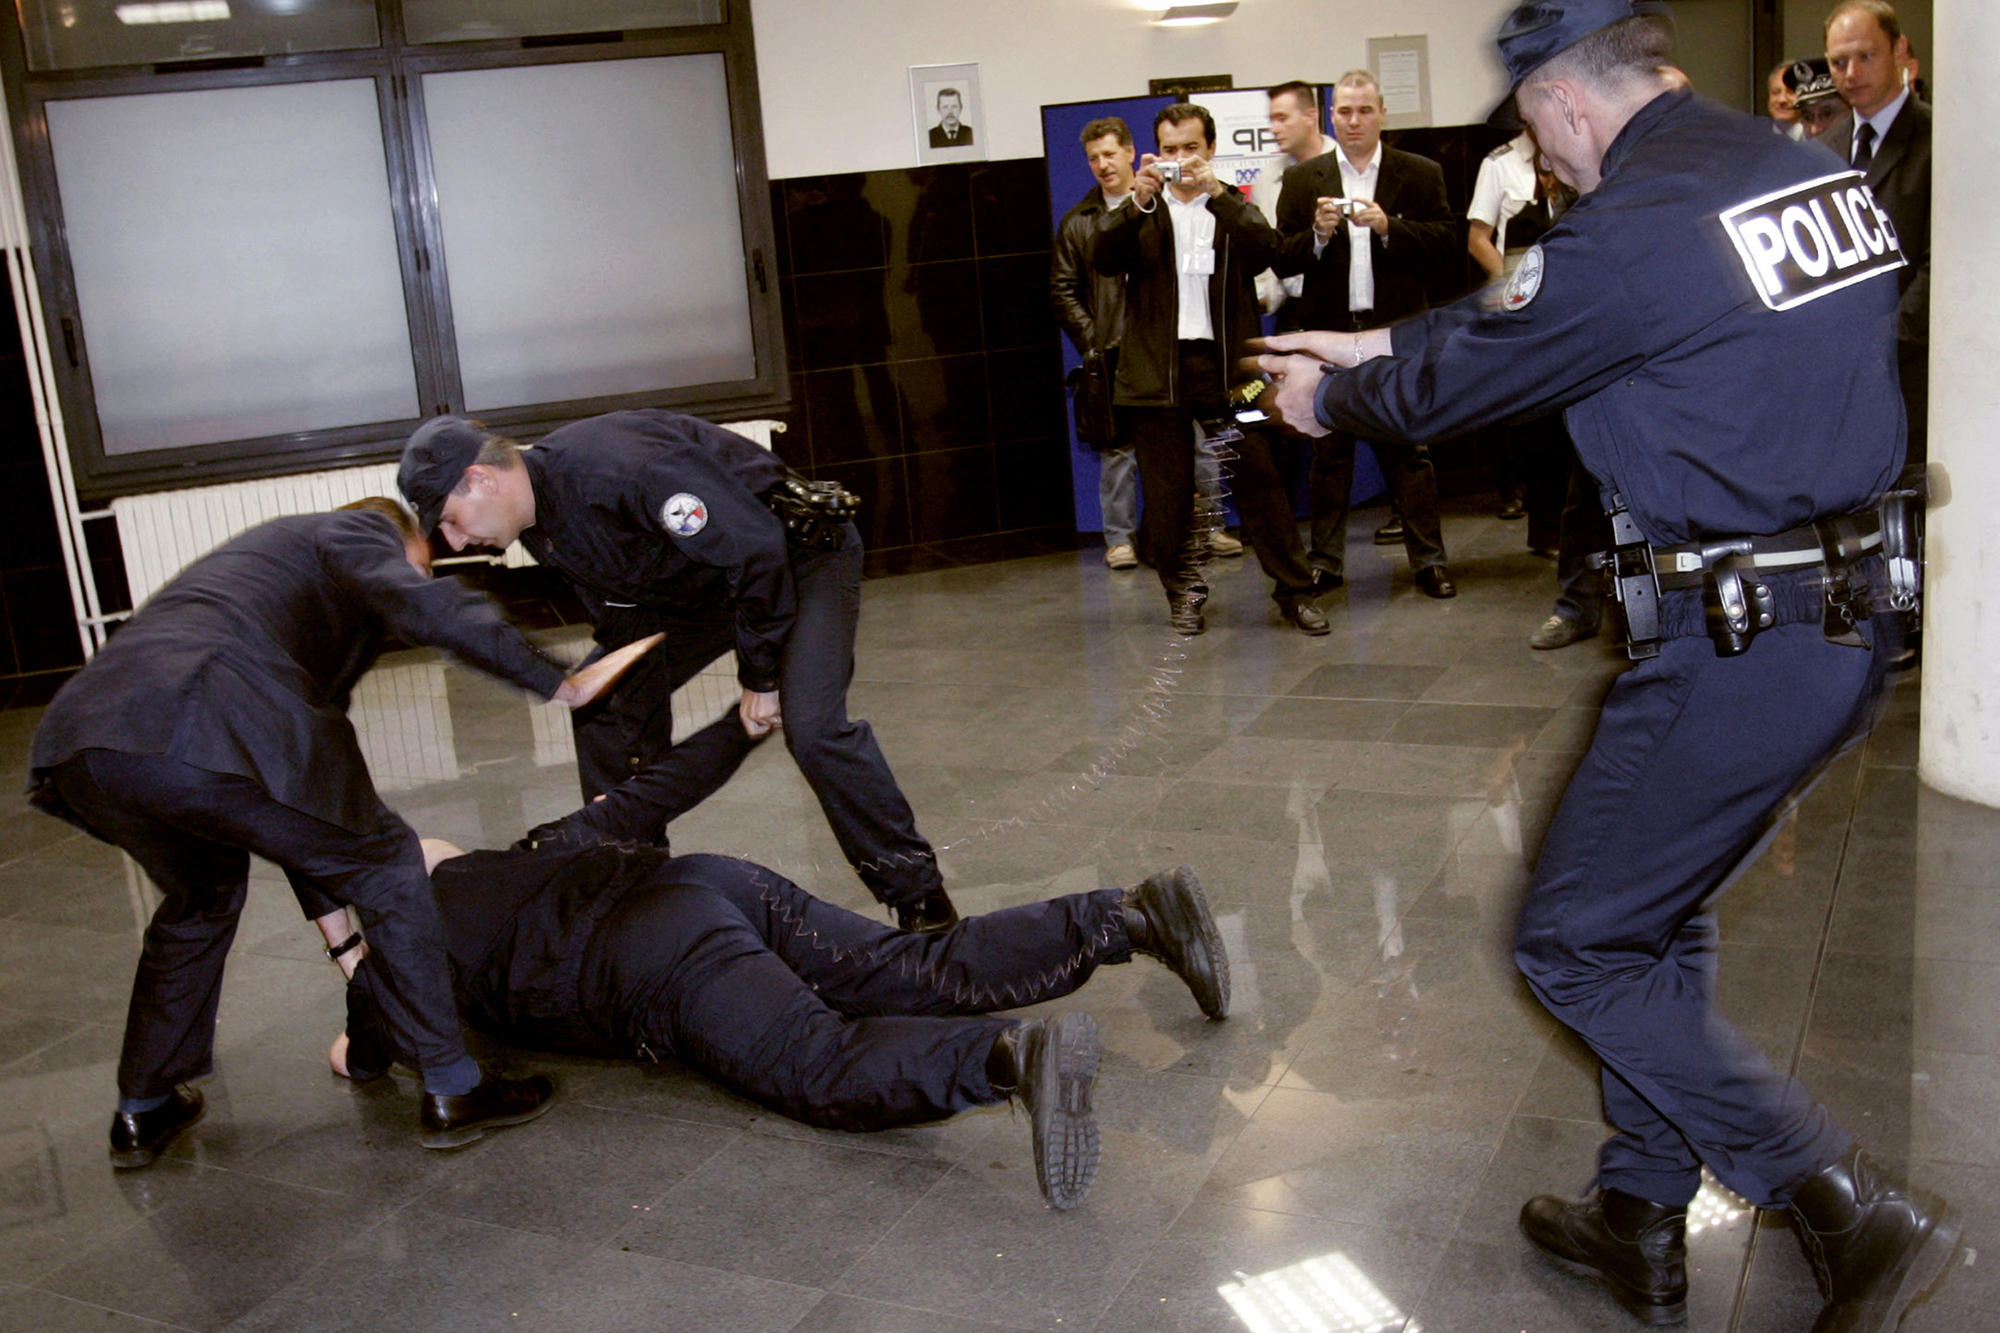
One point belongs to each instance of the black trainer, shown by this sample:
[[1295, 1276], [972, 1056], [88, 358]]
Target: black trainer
[[930, 915], [1054, 1074], [453, 1122], [138, 1139], [1167, 917], [1636, 1248], [1876, 1247]]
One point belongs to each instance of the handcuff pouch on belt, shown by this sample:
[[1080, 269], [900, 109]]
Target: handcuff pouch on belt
[[1634, 582], [1902, 510], [815, 513]]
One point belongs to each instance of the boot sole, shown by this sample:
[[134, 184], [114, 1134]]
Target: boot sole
[[1065, 1126], [1927, 1270], [443, 1140]]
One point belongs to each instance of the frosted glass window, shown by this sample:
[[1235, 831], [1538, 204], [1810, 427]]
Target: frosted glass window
[[592, 238], [70, 34], [235, 261], [483, 20]]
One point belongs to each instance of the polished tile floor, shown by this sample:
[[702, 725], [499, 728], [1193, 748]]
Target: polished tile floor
[[1346, 1152]]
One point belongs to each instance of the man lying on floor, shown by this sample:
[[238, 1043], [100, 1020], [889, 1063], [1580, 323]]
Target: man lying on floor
[[820, 1014]]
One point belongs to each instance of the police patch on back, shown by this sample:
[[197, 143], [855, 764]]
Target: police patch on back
[[1803, 242]]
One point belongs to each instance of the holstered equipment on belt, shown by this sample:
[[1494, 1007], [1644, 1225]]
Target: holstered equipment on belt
[[1633, 581], [815, 513], [1738, 604]]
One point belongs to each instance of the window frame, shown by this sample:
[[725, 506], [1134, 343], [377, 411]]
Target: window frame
[[396, 68]]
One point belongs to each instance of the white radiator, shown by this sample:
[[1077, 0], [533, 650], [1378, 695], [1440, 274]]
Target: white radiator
[[161, 532]]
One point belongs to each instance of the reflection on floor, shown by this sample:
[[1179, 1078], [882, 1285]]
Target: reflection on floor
[[1346, 1153]]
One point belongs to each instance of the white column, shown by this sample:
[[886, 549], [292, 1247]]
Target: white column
[[1960, 747]]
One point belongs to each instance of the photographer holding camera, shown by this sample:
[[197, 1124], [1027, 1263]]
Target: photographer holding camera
[[1190, 308], [1364, 225]]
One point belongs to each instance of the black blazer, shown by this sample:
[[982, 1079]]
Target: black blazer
[[1899, 174], [243, 663], [1410, 190]]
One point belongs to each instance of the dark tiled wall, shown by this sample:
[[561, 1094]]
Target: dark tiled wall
[[926, 375]]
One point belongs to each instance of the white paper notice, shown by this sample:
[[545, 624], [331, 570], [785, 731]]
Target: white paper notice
[[1400, 76]]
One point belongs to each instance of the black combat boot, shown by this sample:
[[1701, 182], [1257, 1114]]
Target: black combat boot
[[1050, 1067], [1875, 1246], [1167, 917], [1635, 1247]]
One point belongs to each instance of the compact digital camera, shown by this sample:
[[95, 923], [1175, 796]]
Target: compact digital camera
[[1169, 169]]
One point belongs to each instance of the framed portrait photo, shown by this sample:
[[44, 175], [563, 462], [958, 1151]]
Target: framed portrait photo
[[949, 117]]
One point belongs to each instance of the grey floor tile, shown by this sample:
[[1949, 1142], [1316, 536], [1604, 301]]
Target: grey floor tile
[[1490, 725], [806, 1211], [1226, 1267], [846, 1314], [1327, 719], [580, 1171], [26, 1311]]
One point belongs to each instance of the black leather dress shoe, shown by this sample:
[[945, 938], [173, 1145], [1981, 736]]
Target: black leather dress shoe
[[453, 1122], [1875, 1246], [1636, 1248], [1436, 582], [1326, 581], [1167, 917], [1055, 1074], [1391, 532], [930, 915], [1304, 617], [137, 1140]]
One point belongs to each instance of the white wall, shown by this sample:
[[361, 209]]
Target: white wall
[[835, 78]]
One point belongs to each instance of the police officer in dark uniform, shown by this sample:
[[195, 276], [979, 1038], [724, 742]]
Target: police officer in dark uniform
[[665, 523], [213, 725], [620, 950], [1716, 315]]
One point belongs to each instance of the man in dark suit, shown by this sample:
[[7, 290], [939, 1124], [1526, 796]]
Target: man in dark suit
[[950, 131], [1363, 225], [214, 725], [1887, 136]]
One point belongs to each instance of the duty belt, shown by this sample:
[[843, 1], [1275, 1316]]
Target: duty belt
[[1730, 571]]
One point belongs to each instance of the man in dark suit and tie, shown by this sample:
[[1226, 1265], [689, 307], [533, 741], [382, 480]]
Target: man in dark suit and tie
[[1363, 224], [1887, 136], [950, 131]]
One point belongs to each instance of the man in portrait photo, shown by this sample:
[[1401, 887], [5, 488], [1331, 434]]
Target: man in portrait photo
[[950, 131]]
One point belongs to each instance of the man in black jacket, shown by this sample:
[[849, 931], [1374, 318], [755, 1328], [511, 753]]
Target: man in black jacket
[[820, 1014], [664, 522], [1887, 137], [214, 725], [1364, 225], [1090, 306], [1190, 311]]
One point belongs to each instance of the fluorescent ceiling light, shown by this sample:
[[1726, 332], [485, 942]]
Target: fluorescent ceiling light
[[1188, 16], [188, 11]]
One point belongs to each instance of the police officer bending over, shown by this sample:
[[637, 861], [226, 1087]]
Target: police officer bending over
[[214, 725], [1717, 317], [667, 523], [614, 949]]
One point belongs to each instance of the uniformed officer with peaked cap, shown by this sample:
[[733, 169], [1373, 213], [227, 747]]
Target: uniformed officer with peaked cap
[[663, 522], [1716, 318]]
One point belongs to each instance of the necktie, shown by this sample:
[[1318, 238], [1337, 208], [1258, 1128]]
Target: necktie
[[1864, 146]]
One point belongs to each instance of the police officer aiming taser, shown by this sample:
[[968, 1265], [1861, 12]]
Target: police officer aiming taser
[[1716, 318], [663, 522]]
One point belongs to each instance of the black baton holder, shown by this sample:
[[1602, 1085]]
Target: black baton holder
[[1634, 582], [1841, 542]]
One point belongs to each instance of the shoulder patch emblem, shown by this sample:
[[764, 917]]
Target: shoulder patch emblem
[[1525, 282], [1801, 243], [684, 515]]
